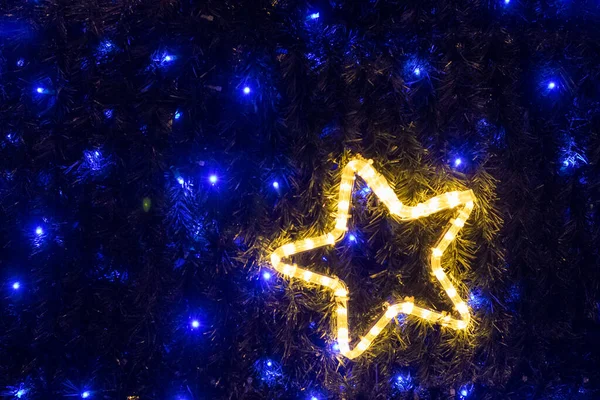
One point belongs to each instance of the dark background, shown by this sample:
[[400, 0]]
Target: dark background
[[114, 116]]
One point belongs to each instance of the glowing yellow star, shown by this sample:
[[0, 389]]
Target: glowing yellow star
[[381, 188]]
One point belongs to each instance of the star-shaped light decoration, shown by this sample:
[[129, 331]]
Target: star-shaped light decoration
[[463, 202]]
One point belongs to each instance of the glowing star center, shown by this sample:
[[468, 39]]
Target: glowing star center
[[462, 202]]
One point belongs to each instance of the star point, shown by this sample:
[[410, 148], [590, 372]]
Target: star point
[[462, 201]]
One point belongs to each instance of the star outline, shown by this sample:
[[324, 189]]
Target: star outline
[[462, 201]]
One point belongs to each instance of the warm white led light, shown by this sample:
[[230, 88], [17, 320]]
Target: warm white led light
[[386, 194]]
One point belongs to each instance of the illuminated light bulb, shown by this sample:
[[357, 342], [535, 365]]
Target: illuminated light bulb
[[437, 252], [177, 115], [288, 249], [461, 324], [391, 312], [213, 179], [20, 62], [453, 199], [275, 259], [506, 1], [362, 345], [342, 310], [425, 313], [395, 208], [375, 330], [16, 285], [330, 238], [407, 307], [20, 393], [341, 292], [168, 58], [343, 335], [446, 319], [39, 231], [266, 275], [314, 15], [464, 393], [289, 269], [247, 90], [276, 185], [451, 292], [459, 222], [352, 238], [457, 162], [314, 397], [181, 181], [269, 363], [434, 204], [40, 90], [551, 85], [462, 308], [309, 244], [345, 187], [449, 236], [417, 71], [341, 223], [439, 273], [343, 205], [86, 394], [307, 275], [325, 281], [195, 324]]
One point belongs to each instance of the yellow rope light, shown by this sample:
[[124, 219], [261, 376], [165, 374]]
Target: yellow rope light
[[381, 188]]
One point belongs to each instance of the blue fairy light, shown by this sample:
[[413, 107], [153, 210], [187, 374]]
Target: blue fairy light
[[417, 71], [177, 115], [16, 285], [352, 237], [551, 85], [213, 179], [108, 113], [457, 162], [314, 15], [168, 58], [247, 90], [94, 160], [506, 1], [266, 275], [269, 363], [314, 398], [40, 90], [335, 347], [181, 181], [20, 62], [195, 324], [276, 185], [86, 394], [39, 231], [465, 391], [20, 393], [403, 382]]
